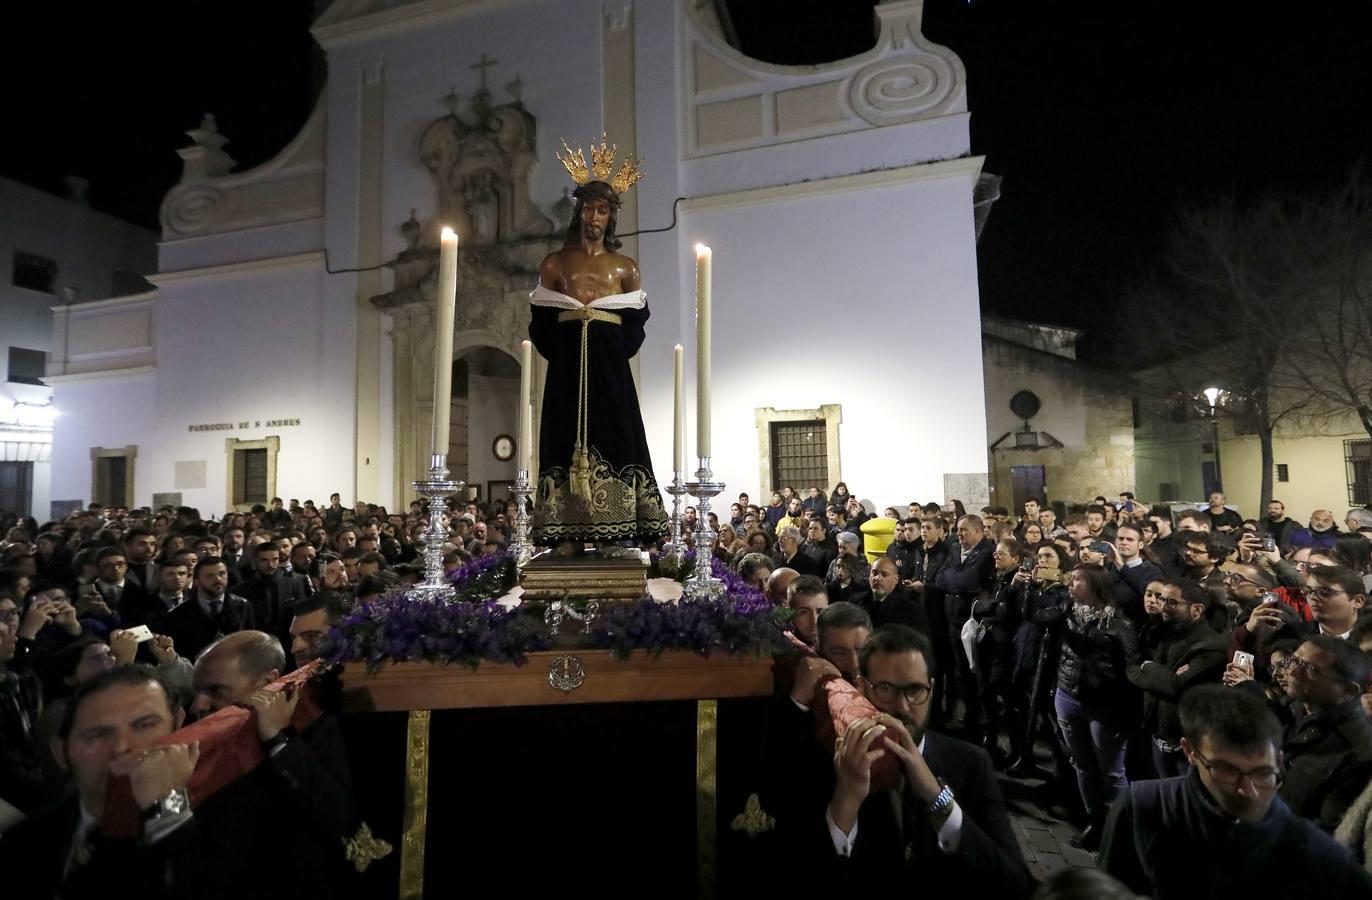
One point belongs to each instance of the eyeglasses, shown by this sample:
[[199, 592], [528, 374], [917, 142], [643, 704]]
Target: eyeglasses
[[916, 694], [1296, 664], [1324, 593], [9, 615], [1236, 577], [1264, 779]]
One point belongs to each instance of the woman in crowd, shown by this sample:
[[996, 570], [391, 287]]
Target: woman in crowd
[[1032, 535], [727, 544], [1037, 646], [1095, 704], [1000, 613]]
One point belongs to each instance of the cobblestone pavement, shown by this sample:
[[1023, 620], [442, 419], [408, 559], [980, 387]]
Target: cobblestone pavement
[[1042, 828]]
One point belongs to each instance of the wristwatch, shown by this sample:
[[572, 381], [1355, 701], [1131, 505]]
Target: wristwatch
[[173, 803], [942, 807], [281, 738]]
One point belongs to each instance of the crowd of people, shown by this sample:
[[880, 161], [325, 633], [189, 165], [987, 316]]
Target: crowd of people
[[1183, 677], [118, 627]]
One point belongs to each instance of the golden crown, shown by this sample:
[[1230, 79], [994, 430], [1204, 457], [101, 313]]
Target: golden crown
[[602, 163]]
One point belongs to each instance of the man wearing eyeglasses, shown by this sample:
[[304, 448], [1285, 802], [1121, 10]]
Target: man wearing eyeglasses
[[1222, 830], [1193, 656], [1336, 596], [945, 829], [1328, 752], [1202, 556]]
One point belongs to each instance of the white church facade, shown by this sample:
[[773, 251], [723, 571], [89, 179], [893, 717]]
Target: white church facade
[[286, 349]]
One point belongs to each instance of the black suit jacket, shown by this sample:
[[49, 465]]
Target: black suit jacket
[[897, 843], [898, 607], [152, 610], [278, 831], [273, 601], [192, 629], [33, 857], [132, 597], [143, 573]]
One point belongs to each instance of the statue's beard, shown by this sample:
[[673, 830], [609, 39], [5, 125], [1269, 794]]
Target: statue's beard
[[593, 232]]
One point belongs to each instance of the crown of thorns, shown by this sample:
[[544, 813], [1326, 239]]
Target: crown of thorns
[[602, 164]]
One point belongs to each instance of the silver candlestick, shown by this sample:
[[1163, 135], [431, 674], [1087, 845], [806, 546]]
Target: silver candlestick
[[703, 585], [675, 549], [436, 491], [522, 544]]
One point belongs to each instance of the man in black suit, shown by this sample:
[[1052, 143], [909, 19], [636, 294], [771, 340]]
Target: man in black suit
[[273, 594], [113, 723], [889, 602], [172, 588], [112, 584], [791, 554], [965, 575], [945, 829], [140, 548], [210, 614], [302, 790]]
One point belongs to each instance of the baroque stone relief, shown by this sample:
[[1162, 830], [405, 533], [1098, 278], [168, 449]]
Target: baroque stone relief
[[734, 102], [480, 160]]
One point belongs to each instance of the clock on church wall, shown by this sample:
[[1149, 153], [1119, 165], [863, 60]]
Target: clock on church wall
[[503, 447]]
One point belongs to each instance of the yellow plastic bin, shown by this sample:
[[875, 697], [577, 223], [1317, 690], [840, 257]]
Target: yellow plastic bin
[[877, 535]]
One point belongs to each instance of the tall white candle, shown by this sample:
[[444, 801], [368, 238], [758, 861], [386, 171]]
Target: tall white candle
[[679, 411], [703, 261], [526, 430], [443, 339], [526, 368]]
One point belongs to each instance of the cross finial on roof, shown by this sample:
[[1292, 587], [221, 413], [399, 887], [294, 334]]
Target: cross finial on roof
[[482, 67]]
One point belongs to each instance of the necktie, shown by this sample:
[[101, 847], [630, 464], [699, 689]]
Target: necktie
[[216, 607]]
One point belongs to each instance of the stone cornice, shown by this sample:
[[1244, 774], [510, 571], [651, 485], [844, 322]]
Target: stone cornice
[[345, 24], [101, 375], [965, 167], [315, 257]]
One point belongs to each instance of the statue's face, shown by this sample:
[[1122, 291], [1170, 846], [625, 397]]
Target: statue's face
[[595, 216]]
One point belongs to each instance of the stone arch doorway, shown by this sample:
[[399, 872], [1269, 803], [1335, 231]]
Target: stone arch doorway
[[485, 409]]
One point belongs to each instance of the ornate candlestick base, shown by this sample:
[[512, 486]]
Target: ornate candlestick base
[[675, 549], [703, 585], [435, 491], [521, 542]]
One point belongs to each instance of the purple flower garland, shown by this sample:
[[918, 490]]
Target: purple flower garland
[[473, 628]]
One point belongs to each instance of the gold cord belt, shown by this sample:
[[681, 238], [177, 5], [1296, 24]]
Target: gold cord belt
[[587, 314], [580, 473]]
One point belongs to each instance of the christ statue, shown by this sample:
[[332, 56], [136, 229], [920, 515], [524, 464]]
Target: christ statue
[[595, 480]]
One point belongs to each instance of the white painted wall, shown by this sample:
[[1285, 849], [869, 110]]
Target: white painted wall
[[251, 346], [883, 268], [112, 412]]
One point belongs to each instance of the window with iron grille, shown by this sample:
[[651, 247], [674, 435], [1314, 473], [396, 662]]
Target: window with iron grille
[[1358, 457], [1283, 472], [800, 456]]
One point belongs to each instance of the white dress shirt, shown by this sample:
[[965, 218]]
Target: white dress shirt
[[949, 835]]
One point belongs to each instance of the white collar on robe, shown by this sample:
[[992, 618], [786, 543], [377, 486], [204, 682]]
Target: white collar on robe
[[541, 296]]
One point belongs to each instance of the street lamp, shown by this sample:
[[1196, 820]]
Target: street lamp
[[1216, 397]]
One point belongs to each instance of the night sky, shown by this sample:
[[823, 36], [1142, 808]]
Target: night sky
[[1103, 118]]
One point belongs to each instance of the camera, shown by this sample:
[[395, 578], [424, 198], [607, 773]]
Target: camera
[[1269, 543]]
